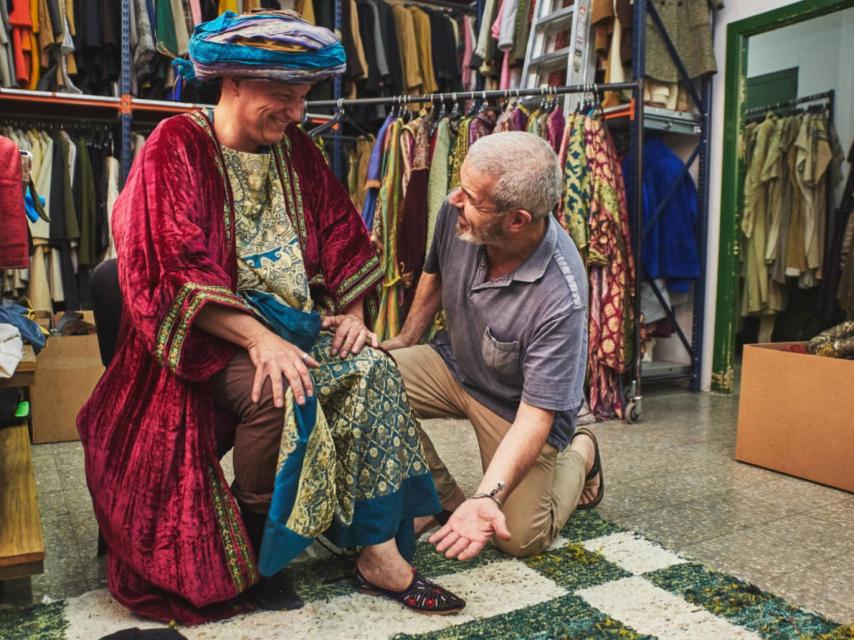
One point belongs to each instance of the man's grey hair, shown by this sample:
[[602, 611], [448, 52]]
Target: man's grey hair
[[526, 170]]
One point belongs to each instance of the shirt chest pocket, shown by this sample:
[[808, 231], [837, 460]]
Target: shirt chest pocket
[[502, 357]]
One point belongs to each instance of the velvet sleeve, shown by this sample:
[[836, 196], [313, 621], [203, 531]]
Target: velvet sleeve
[[350, 266], [174, 246]]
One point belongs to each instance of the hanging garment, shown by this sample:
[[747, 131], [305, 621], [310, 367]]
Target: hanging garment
[[385, 232], [446, 62], [14, 247], [845, 293], [754, 225], [469, 39], [688, 23], [437, 182], [522, 30], [611, 272], [357, 64], [359, 159], [86, 205], [459, 151], [408, 46], [411, 235], [812, 161], [555, 125], [7, 55], [670, 250], [481, 125], [24, 54], [574, 208], [423, 36], [393, 52], [113, 169], [373, 179]]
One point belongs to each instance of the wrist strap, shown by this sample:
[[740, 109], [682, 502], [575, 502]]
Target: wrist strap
[[491, 497], [492, 494]]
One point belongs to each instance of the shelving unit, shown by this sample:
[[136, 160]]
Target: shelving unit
[[690, 124]]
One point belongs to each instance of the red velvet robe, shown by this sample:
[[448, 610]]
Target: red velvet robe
[[177, 546]]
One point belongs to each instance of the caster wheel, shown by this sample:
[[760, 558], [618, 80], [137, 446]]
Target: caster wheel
[[632, 412]]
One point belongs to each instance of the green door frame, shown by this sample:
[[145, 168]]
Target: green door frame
[[738, 33]]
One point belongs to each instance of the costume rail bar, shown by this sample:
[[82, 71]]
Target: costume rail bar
[[816, 97], [476, 95]]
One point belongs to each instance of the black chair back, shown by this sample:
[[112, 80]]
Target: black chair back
[[107, 305]]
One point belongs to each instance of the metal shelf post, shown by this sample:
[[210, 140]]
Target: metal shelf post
[[125, 109]]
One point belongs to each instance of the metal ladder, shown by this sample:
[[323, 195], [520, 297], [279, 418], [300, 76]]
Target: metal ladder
[[576, 57]]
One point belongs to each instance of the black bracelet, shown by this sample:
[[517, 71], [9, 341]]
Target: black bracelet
[[491, 497]]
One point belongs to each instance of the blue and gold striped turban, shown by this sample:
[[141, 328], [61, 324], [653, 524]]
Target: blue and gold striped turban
[[270, 45]]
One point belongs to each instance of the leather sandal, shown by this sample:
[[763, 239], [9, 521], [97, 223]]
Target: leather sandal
[[596, 468], [421, 595]]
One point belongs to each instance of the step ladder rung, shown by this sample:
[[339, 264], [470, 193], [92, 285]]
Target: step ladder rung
[[560, 20], [551, 61]]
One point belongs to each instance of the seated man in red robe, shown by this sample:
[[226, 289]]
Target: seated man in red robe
[[231, 234]]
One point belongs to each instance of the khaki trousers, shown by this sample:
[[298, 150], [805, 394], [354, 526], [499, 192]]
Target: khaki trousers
[[541, 503]]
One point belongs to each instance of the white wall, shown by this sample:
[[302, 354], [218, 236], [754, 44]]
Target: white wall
[[822, 49], [734, 10]]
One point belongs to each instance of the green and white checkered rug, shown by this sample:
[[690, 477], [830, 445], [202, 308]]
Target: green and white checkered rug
[[597, 581]]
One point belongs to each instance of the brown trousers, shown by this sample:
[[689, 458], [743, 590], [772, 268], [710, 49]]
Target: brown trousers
[[541, 503], [253, 429]]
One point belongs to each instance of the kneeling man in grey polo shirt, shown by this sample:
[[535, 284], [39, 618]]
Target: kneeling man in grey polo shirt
[[513, 355]]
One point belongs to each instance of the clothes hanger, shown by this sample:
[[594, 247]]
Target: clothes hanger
[[329, 124]]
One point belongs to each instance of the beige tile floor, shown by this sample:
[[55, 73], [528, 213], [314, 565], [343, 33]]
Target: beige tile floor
[[671, 477]]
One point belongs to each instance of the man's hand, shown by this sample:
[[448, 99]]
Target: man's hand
[[469, 529], [398, 342], [276, 359], [351, 334]]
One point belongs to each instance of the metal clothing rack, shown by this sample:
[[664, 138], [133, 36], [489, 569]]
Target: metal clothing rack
[[830, 96], [445, 4]]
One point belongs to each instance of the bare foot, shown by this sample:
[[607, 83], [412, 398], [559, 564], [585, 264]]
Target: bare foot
[[383, 566], [584, 445]]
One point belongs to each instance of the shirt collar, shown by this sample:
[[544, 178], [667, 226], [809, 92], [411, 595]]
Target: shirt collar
[[535, 266]]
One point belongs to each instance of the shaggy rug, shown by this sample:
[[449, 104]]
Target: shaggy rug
[[596, 581]]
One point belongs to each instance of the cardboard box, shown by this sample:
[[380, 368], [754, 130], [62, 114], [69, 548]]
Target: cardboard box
[[795, 414], [67, 370]]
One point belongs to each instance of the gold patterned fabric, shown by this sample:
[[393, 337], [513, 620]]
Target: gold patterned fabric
[[364, 444]]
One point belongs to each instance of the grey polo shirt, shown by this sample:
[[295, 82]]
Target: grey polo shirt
[[521, 337]]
